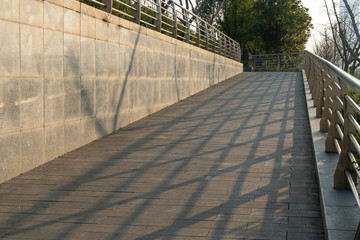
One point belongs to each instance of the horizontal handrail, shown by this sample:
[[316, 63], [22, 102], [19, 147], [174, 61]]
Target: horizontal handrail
[[350, 80], [277, 54], [329, 83], [278, 62], [174, 20]]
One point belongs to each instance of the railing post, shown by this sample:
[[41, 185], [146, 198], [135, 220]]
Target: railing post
[[174, 30], [309, 69], [187, 28], [214, 41], [197, 32], [254, 63], [233, 49], [240, 52], [340, 181], [226, 47], [327, 104], [158, 22], [318, 92], [108, 6], [335, 120], [137, 12], [220, 45], [206, 37]]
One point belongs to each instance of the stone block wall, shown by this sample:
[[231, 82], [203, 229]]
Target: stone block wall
[[70, 73]]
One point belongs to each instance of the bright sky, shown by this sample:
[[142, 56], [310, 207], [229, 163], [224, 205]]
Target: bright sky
[[319, 18]]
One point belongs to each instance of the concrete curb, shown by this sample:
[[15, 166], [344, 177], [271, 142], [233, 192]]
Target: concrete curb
[[340, 213]]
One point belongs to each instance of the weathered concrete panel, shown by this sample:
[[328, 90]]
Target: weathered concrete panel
[[122, 119], [71, 55], [102, 69], [101, 29], [125, 62], [124, 36], [87, 57], [72, 103], [102, 97], [32, 51], [53, 53], [122, 103], [114, 95], [32, 12], [31, 103], [54, 142], [71, 22], [9, 105], [102, 126], [87, 26], [9, 156], [113, 33], [54, 100], [72, 136], [88, 130], [114, 60], [32, 149], [9, 55], [53, 17], [9, 10], [87, 98]]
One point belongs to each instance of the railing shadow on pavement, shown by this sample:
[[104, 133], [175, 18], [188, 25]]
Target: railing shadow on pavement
[[264, 130]]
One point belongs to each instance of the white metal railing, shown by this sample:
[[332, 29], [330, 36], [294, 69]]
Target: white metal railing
[[333, 91], [278, 62], [174, 20]]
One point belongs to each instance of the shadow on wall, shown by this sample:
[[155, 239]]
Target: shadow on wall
[[195, 167], [126, 79]]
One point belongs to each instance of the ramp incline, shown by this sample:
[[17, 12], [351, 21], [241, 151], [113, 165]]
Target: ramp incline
[[234, 161]]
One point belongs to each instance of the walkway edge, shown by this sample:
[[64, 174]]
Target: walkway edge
[[339, 210]]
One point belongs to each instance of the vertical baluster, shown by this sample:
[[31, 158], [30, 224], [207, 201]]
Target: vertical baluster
[[187, 27], [332, 132], [219, 44], [108, 6], [197, 32], [174, 30], [327, 103], [137, 12], [340, 181], [206, 37], [213, 33], [318, 91], [158, 21]]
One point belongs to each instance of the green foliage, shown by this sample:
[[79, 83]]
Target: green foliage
[[357, 74], [267, 26]]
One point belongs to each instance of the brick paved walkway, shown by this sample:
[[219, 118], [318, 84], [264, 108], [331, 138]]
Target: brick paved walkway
[[234, 161]]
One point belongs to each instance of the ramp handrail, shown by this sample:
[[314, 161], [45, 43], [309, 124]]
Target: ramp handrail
[[332, 90], [172, 19], [278, 62]]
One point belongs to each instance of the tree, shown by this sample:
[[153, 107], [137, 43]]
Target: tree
[[325, 46], [267, 26], [345, 36], [284, 26]]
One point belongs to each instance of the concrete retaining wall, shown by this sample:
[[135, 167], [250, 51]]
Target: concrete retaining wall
[[70, 73]]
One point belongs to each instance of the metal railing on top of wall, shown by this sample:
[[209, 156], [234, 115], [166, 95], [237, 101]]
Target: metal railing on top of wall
[[174, 20], [332, 89]]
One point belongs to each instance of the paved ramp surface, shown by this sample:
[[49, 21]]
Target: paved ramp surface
[[232, 162]]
